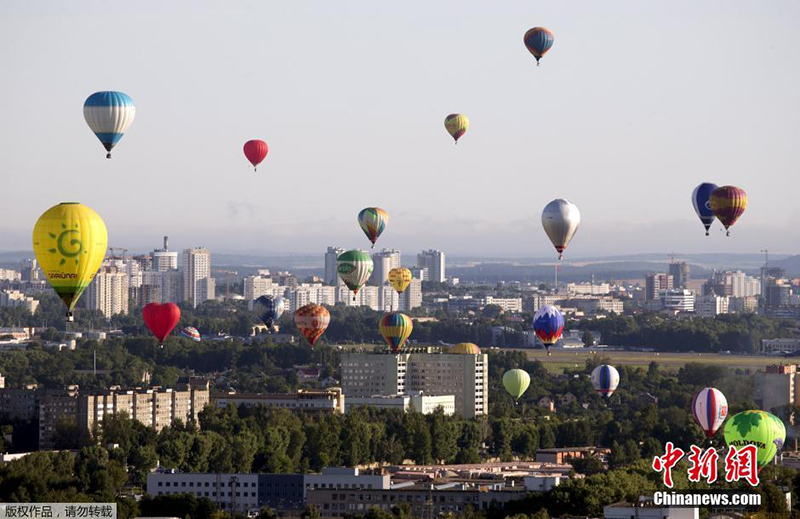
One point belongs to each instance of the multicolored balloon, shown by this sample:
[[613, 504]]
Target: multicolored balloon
[[70, 242], [396, 329], [516, 382], [548, 323], [560, 220], [605, 380], [456, 125], [191, 332], [269, 308], [728, 204], [755, 427], [161, 319], [400, 278], [256, 151], [710, 408], [538, 41], [312, 320], [373, 222], [354, 268], [109, 115], [702, 204]]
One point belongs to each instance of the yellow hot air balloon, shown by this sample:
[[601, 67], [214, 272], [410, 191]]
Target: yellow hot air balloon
[[400, 278], [456, 125], [70, 242]]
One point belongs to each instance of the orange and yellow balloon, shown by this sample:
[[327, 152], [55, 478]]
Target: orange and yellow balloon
[[400, 278], [70, 242], [456, 125]]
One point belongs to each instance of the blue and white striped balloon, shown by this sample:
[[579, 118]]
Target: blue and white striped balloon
[[109, 115], [605, 379], [710, 408]]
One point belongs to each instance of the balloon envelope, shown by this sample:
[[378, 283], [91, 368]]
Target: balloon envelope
[[538, 41], [109, 115], [465, 348], [560, 220], [354, 268], [372, 221], [764, 430], [396, 329], [70, 242], [269, 309], [548, 323], [255, 151], [728, 204], [701, 200], [516, 382], [710, 408], [605, 379], [456, 125], [312, 320], [191, 332], [400, 278], [161, 319]]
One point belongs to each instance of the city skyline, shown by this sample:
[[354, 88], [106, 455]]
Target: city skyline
[[683, 111]]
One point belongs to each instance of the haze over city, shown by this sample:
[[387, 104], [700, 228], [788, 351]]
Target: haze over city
[[644, 102]]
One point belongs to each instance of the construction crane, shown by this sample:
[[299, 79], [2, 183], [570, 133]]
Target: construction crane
[[114, 256]]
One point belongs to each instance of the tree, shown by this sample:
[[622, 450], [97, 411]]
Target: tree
[[311, 512], [444, 437], [588, 339]]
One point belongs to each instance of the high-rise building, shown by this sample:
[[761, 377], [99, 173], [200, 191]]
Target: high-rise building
[[198, 285], [164, 259], [108, 292], [411, 297], [711, 305], [331, 275], [432, 261], [462, 375], [29, 270], [681, 274], [678, 299], [161, 287], [778, 293], [733, 284], [259, 285], [656, 283], [383, 262]]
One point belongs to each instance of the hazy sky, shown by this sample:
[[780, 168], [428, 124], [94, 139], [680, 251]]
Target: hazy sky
[[636, 103]]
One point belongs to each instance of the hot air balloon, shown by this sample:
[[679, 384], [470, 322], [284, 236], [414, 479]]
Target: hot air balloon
[[764, 430], [312, 320], [702, 204], [538, 41], [516, 382], [255, 151], [373, 222], [728, 204], [400, 278], [70, 242], [465, 348], [191, 333], [161, 319], [548, 323], [354, 267], [396, 329], [269, 309], [560, 220], [109, 115], [605, 379], [456, 125], [710, 408]]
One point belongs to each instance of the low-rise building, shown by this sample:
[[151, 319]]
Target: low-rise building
[[565, 454], [330, 399], [425, 404], [772, 346], [17, 299], [648, 510], [711, 305]]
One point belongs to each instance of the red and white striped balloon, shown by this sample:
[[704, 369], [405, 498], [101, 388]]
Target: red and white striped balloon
[[710, 408]]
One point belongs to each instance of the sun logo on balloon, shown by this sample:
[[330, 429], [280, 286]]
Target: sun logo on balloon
[[67, 244]]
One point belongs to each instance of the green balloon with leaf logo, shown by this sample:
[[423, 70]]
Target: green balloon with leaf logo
[[354, 268], [755, 427]]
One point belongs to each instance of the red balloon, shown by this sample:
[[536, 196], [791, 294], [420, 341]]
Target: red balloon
[[255, 151], [161, 319]]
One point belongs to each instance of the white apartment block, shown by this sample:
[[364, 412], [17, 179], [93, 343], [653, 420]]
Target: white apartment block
[[383, 262], [462, 375], [513, 305], [198, 285], [163, 260], [432, 261], [257, 286], [425, 404], [9, 275], [17, 299], [411, 298], [108, 291], [711, 305], [678, 299], [331, 275], [589, 289]]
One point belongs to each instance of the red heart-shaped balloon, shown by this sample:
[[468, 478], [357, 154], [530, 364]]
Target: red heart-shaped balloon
[[161, 319]]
